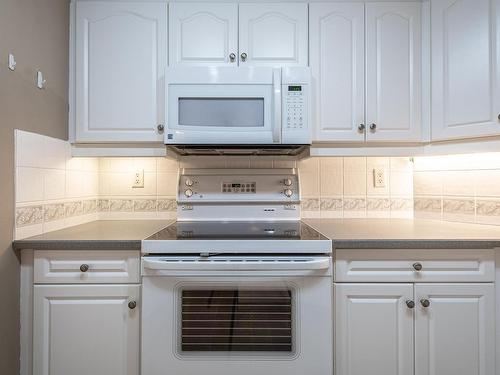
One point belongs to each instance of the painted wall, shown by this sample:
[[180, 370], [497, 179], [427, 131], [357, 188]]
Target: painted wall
[[36, 32]]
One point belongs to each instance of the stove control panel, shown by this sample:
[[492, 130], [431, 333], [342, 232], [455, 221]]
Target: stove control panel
[[276, 185], [239, 187]]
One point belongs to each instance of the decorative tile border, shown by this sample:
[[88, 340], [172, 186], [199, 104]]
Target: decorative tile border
[[488, 208], [310, 204], [29, 215], [354, 204], [53, 212], [428, 204], [167, 205], [378, 204], [145, 205], [402, 204], [459, 206], [121, 205], [36, 214], [331, 204]]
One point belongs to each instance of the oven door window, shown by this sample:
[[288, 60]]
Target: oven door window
[[237, 321]]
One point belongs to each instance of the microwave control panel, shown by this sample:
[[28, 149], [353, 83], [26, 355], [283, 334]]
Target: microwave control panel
[[295, 111]]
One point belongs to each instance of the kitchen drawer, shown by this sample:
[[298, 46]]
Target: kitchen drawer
[[410, 265], [68, 267]]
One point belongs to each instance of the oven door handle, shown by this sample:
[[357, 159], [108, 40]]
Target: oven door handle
[[319, 263]]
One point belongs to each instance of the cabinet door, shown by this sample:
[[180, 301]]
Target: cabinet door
[[84, 329], [393, 72], [336, 50], [455, 334], [203, 34], [120, 63], [273, 34], [465, 68], [373, 329]]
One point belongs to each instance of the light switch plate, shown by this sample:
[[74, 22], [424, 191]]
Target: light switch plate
[[379, 177]]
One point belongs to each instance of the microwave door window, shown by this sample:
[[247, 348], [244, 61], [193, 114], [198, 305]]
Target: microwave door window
[[222, 112]]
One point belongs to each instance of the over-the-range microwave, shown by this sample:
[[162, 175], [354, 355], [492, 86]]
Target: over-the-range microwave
[[238, 110]]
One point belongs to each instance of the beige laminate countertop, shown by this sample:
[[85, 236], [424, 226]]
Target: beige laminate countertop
[[345, 233], [405, 233], [96, 235]]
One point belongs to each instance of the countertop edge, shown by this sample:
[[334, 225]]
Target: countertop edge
[[77, 245], [415, 244]]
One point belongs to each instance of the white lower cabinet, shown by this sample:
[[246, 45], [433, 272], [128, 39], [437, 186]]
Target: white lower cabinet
[[420, 329], [455, 334], [373, 329], [86, 329]]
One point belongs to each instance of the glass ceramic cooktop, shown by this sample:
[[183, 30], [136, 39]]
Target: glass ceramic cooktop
[[218, 230]]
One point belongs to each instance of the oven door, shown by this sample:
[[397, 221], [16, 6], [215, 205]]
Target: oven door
[[225, 113], [238, 319]]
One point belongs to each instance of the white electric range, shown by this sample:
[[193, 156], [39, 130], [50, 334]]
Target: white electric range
[[238, 284]]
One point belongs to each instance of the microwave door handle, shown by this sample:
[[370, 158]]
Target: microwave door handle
[[277, 105]]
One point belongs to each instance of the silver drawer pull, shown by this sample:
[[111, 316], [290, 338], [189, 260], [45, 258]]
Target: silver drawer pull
[[417, 266], [84, 267]]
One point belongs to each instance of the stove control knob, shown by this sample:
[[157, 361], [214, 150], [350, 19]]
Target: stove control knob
[[288, 192], [188, 193], [189, 182], [287, 182]]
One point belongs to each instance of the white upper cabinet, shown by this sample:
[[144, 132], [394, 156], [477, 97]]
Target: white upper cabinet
[[203, 34], [373, 329], [393, 71], [455, 333], [84, 329], [273, 34], [337, 54], [119, 71], [465, 68], [366, 61]]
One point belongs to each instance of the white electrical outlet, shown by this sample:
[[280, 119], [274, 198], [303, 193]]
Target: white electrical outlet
[[138, 179], [379, 177]]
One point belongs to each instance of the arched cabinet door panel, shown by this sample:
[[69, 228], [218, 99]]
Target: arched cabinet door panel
[[337, 54], [119, 71], [203, 34], [393, 72], [465, 68], [273, 34]]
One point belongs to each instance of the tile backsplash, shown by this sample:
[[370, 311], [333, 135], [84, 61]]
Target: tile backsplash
[[54, 190], [463, 188], [343, 187]]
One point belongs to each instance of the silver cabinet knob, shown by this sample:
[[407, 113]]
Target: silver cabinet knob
[[160, 128], [410, 304], [84, 267], [132, 305], [417, 266], [288, 192], [243, 56], [232, 57], [425, 302], [287, 182], [189, 182], [188, 193], [361, 128], [373, 127], [498, 117]]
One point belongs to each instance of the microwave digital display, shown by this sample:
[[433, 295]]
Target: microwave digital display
[[294, 88]]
